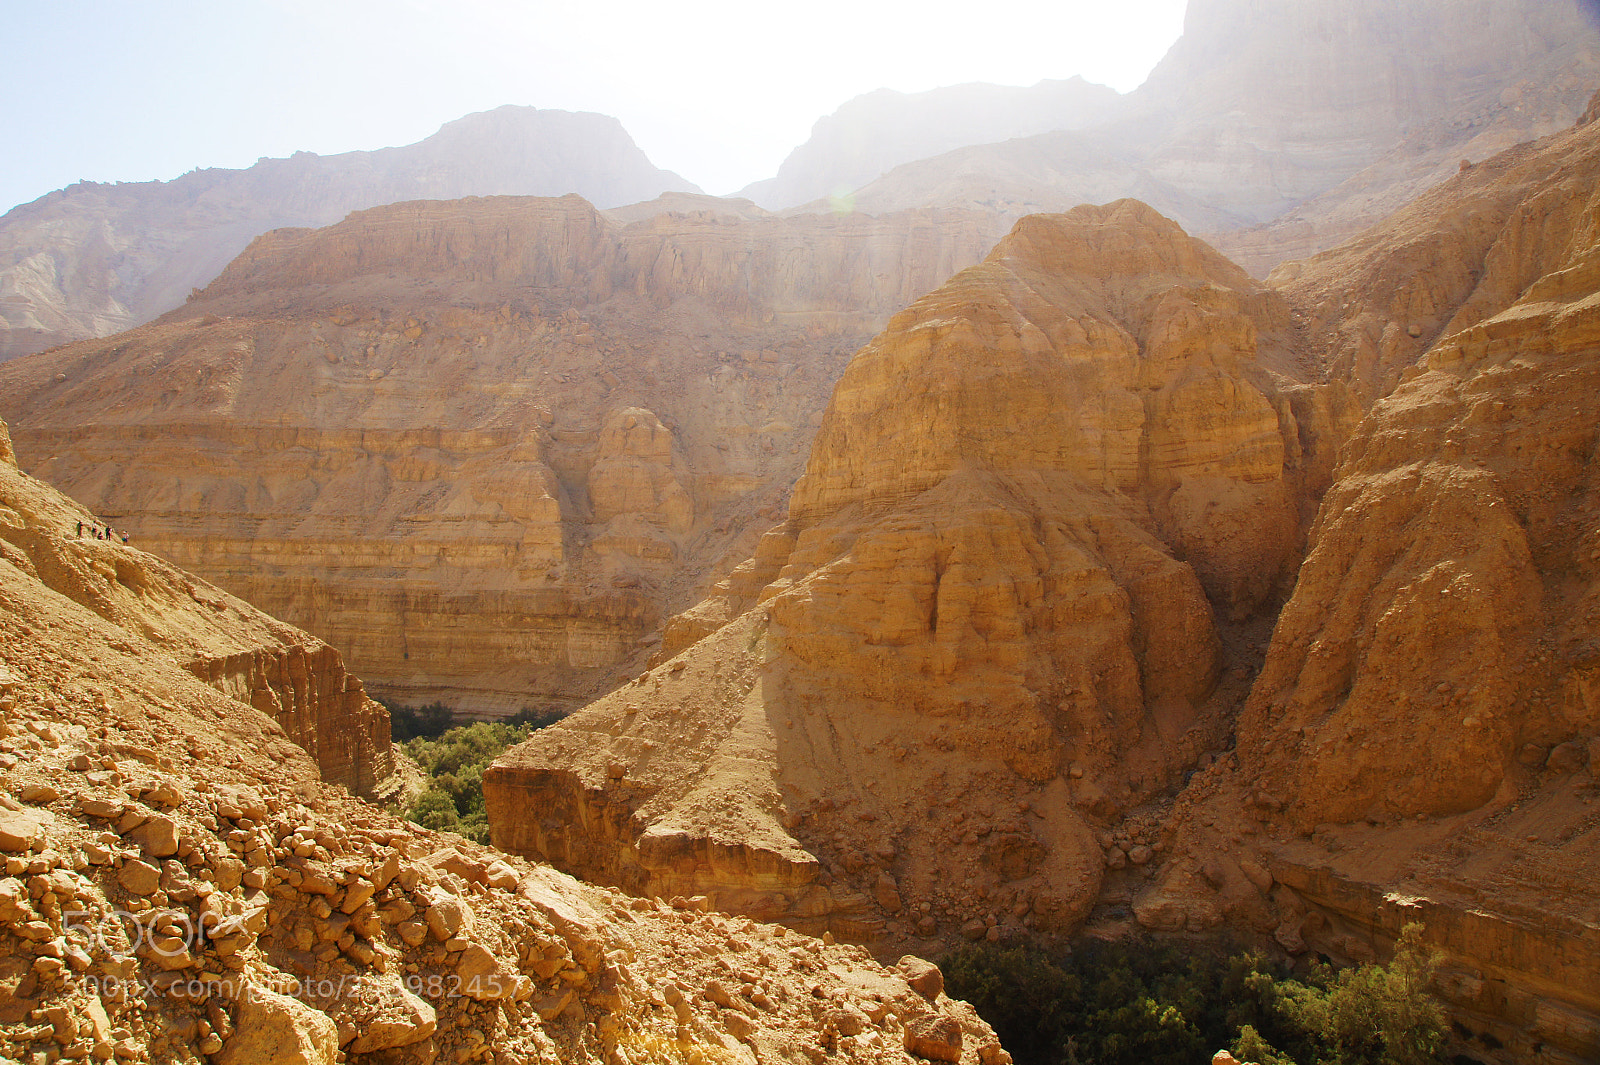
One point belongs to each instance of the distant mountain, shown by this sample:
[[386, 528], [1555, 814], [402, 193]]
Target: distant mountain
[[872, 134], [1281, 127], [94, 259]]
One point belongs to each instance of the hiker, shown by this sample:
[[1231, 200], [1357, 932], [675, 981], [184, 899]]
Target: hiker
[[80, 528]]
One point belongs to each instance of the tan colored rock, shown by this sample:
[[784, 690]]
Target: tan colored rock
[[19, 831], [478, 155], [448, 916], [157, 837], [531, 550], [1422, 608], [274, 1029], [1006, 601], [923, 976], [388, 1016], [481, 975], [933, 1038], [139, 877], [277, 974]]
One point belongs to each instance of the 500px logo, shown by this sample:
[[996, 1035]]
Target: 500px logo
[[167, 933], [194, 989]]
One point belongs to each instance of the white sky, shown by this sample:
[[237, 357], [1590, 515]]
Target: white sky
[[719, 91]]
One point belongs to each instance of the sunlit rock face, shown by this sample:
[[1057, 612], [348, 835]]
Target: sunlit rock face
[[145, 606], [1448, 589], [484, 446], [996, 596]]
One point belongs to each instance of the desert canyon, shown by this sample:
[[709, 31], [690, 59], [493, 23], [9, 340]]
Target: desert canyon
[[1167, 514]]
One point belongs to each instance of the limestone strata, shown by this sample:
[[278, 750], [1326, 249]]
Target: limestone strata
[[976, 608], [1447, 592], [1420, 743], [296, 679], [1520, 981], [486, 483], [179, 886]]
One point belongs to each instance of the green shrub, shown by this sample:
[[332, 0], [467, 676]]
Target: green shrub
[[409, 722], [1373, 1013], [454, 760], [1141, 1002]]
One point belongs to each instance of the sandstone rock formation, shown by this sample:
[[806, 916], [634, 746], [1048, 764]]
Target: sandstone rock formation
[[482, 447], [1447, 592], [179, 887], [1421, 741], [949, 702], [92, 259], [291, 676], [1032, 504]]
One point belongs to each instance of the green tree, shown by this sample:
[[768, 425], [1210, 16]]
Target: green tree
[[1374, 1013]]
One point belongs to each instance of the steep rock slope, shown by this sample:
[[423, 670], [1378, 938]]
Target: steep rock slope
[[1423, 742], [872, 134], [991, 621], [91, 260], [1286, 128], [180, 887], [485, 446], [160, 611]]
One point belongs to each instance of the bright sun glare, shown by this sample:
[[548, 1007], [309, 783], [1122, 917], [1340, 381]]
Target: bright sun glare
[[718, 91]]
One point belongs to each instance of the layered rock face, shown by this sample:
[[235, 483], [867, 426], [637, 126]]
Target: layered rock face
[[1447, 589], [1282, 129], [964, 683], [91, 260], [292, 677], [482, 447], [180, 887], [1421, 742], [1033, 501]]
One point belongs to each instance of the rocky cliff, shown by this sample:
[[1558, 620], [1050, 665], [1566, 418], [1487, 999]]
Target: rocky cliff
[[292, 677], [92, 259], [994, 617], [1449, 593], [483, 447], [984, 682], [180, 887]]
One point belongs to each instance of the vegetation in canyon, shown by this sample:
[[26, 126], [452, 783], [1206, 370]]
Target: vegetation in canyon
[[1149, 1002]]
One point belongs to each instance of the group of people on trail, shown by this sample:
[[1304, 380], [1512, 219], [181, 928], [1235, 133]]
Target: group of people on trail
[[101, 531]]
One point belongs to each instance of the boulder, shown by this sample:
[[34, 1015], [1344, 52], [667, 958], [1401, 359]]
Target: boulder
[[274, 1029]]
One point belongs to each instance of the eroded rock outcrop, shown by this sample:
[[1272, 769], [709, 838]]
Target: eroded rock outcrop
[[1447, 590], [294, 678], [178, 886], [482, 447], [1421, 742], [997, 597]]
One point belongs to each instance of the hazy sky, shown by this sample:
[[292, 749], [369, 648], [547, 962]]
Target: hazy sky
[[718, 90]]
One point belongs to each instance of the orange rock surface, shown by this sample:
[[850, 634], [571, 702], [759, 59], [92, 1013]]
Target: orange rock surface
[[180, 886], [480, 446], [997, 595]]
